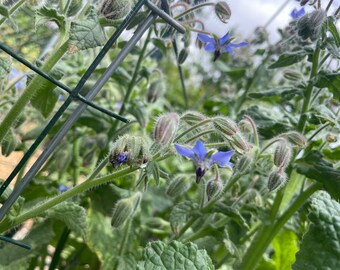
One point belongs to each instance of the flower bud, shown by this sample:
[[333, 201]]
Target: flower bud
[[309, 25], [193, 117], [282, 154], [130, 150], [182, 56], [166, 128], [223, 11], [125, 208], [225, 126], [276, 180], [245, 126], [214, 187], [292, 75], [239, 143], [115, 9], [178, 186], [243, 164], [331, 138], [35, 4], [155, 90], [296, 138]]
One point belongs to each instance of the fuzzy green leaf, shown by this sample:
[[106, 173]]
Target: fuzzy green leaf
[[320, 247], [86, 34], [175, 256], [4, 11], [73, 215], [333, 154], [330, 81], [45, 14], [288, 59], [334, 31], [180, 214], [315, 167]]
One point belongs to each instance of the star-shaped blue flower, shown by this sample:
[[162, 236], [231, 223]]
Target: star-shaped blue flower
[[295, 14], [219, 45], [203, 159]]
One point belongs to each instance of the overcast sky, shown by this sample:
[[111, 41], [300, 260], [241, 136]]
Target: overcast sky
[[246, 15]]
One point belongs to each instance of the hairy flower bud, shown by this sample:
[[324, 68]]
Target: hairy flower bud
[[155, 90], [125, 208], [214, 187], [276, 179], [240, 144], [331, 138], [130, 150], [245, 126], [178, 186], [166, 128], [182, 56], [292, 75], [309, 25], [225, 126], [115, 9], [223, 11], [193, 117], [35, 4], [243, 164], [282, 154], [296, 138]]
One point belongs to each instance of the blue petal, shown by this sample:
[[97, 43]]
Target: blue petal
[[224, 39], [222, 158], [185, 151], [237, 45], [205, 38], [301, 12], [294, 14], [200, 151], [210, 47]]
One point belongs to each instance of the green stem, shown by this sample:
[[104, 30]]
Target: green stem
[[193, 9], [200, 135], [124, 242], [31, 89], [267, 233], [12, 10], [192, 128], [309, 90], [91, 183]]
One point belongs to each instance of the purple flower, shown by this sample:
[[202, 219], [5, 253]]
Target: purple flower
[[219, 45], [295, 14], [203, 159]]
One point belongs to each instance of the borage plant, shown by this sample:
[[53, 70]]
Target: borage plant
[[228, 165]]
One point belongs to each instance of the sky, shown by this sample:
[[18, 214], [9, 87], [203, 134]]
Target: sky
[[246, 15]]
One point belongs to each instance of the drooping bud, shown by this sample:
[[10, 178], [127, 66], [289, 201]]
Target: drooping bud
[[130, 150], [156, 89], [243, 164], [282, 154], [331, 138], [125, 208], [166, 128], [225, 126], [292, 75], [178, 186], [309, 25], [182, 56], [223, 11], [193, 117], [276, 179], [245, 126], [214, 187], [296, 138], [240, 144], [115, 9]]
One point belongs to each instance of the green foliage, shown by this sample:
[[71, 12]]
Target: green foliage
[[159, 255], [320, 245]]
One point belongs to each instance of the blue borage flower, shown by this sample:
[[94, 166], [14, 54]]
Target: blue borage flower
[[219, 45], [295, 14], [204, 160]]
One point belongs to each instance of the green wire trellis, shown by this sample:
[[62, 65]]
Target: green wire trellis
[[74, 95]]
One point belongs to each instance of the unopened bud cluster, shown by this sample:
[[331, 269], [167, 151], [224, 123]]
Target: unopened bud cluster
[[193, 117], [310, 25], [166, 128], [130, 150], [125, 208], [230, 130]]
